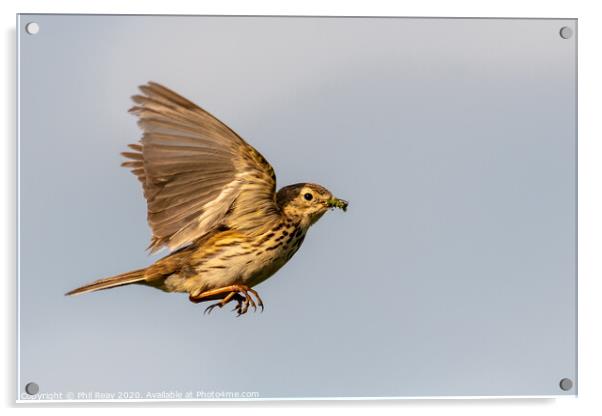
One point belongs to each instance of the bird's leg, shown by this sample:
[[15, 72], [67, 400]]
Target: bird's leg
[[216, 293], [232, 292], [230, 296]]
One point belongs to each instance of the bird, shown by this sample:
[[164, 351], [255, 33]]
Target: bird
[[212, 203]]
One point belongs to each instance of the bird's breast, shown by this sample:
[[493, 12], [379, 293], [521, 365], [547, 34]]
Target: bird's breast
[[247, 260], [276, 248]]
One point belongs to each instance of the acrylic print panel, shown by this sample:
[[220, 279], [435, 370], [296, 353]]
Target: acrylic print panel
[[452, 273]]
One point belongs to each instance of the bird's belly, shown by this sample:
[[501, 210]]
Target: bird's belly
[[266, 265], [236, 265]]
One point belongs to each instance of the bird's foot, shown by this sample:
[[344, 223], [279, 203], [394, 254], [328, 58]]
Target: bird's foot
[[239, 293], [230, 297], [247, 301]]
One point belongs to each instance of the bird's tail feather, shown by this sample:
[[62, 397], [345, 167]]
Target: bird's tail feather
[[109, 282]]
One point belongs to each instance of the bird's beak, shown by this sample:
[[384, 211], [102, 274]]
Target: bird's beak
[[337, 203]]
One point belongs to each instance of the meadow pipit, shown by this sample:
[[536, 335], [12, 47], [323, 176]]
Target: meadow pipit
[[212, 201]]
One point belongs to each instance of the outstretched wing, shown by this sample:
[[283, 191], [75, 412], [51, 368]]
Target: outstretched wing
[[197, 174]]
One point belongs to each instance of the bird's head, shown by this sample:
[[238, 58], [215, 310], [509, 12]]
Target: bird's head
[[307, 201]]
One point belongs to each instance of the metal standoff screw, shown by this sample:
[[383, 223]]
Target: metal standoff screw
[[566, 32], [32, 28], [32, 388], [566, 384]]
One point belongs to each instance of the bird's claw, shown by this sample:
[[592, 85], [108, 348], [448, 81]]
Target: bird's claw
[[241, 294], [209, 308], [247, 300]]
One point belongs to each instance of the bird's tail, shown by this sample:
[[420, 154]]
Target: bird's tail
[[109, 282]]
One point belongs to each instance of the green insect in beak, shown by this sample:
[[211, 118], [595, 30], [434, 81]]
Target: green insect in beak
[[337, 203]]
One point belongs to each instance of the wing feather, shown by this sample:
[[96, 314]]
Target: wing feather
[[195, 171]]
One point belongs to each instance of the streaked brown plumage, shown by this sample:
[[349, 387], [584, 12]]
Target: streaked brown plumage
[[212, 200]]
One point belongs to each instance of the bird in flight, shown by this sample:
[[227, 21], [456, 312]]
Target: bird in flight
[[212, 202]]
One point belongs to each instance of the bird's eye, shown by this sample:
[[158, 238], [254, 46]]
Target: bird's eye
[[308, 196]]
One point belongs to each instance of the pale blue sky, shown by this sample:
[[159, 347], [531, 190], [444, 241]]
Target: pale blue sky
[[452, 273]]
